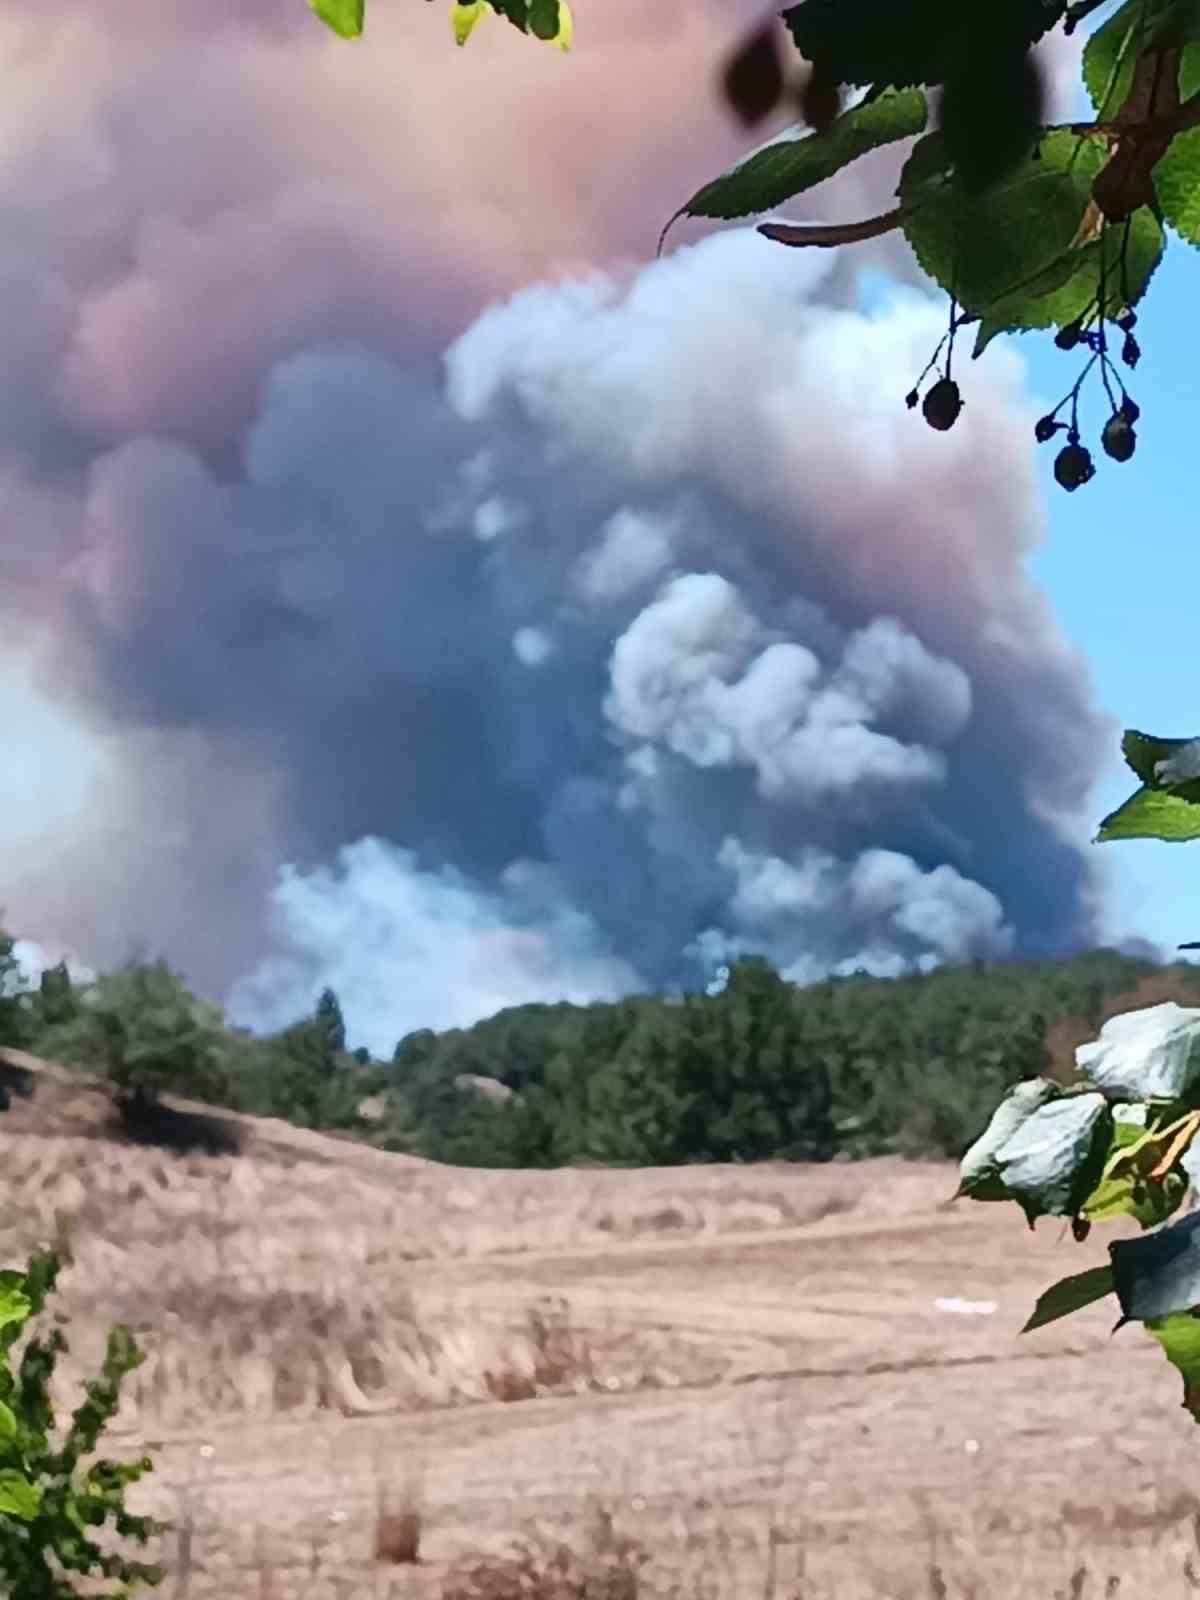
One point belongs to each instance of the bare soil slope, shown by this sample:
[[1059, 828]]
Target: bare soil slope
[[746, 1366]]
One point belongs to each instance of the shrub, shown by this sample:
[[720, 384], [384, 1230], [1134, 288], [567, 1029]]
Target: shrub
[[49, 1499], [148, 1034]]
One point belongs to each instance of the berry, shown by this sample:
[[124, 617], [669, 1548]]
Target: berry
[[1127, 320], [911, 398], [1080, 1228], [1131, 351], [942, 405], [1118, 438], [1068, 337], [1073, 466], [1046, 428], [1130, 409]]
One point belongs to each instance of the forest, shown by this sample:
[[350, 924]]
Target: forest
[[850, 1067]]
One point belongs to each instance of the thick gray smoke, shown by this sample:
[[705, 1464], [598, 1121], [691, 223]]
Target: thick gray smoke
[[406, 591]]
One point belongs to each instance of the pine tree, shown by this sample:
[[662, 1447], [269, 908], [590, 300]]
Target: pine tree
[[329, 1012]]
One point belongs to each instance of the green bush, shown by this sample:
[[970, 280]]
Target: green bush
[[50, 1500], [15, 1021], [144, 1030]]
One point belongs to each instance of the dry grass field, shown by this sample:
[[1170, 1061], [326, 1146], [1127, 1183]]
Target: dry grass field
[[372, 1376]]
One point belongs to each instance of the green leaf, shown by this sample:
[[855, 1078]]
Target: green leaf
[[1128, 1187], [15, 1306], [1158, 1274], [463, 19], [1179, 1336], [1056, 295], [8, 1424], [1168, 807], [979, 1170], [1108, 59], [1177, 184], [1044, 1148], [1063, 291], [1151, 1053], [1052, 1162], [798, 159], [1171, 22], [1143, 753], [986, 247], [543, 18], [18, 1497], [928, 161], [343, 16], [517, 12], [1189, 70], [1154, 814], [1070, 1294], [1114, 1197]]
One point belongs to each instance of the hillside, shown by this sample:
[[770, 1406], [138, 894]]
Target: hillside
[[336, 1334]]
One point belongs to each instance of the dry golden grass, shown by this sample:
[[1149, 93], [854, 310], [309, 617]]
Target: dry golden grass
[[371, 1377], [275, 1283]]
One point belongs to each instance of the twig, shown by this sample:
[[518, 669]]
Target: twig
[[830, 234]]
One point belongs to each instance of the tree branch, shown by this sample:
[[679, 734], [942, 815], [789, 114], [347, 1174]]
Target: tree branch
[[834, 233], [1185, 116]]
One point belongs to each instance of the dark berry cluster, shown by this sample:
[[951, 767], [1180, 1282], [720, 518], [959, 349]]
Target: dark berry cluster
[[1073, 465]]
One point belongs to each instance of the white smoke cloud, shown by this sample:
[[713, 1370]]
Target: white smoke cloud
[[532, 646], [406, 948], [33, 959], [697, 673], [634, 548], [817, 914]]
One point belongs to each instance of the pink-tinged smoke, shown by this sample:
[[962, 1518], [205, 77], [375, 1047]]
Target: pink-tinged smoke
[[280, 590]]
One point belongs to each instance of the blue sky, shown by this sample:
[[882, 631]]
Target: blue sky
[[1121, 565]]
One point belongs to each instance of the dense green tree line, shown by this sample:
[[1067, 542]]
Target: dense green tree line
[[763, 1070]]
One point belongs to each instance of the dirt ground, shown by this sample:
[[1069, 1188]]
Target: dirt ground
[[746, 1367]]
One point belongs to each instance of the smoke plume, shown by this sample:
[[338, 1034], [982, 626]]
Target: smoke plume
[[410, 586]]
